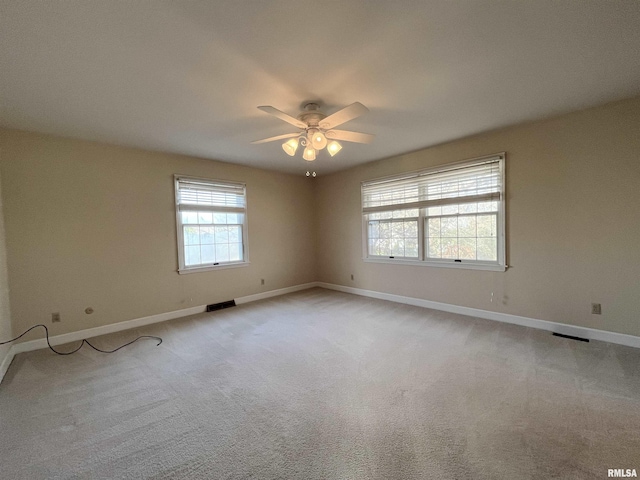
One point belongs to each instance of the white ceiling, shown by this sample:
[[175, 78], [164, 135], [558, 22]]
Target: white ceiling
[[187, 76]]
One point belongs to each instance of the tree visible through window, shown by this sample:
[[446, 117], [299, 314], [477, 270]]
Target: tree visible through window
[[452, 215], [211, 219]]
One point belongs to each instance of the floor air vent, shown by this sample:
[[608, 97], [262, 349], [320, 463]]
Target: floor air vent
[[219, 306], [580, 339]]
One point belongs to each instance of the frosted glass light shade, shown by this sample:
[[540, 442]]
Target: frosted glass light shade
[[309, 154], [318, 140], [290, 147], [333, 148]]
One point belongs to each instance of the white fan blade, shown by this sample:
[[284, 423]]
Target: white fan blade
[[279, 137], [347, 136], [342, 116], [283, 116]]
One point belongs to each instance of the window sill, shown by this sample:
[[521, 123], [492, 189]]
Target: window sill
[[209, 268], [460, 265]]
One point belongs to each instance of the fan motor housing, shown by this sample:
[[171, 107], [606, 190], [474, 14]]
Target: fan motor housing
[[311, 116]]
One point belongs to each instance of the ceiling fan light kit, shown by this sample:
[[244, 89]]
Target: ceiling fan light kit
[[318, 140], [333, 148], [309, 154], [317, 130], [290, 147]]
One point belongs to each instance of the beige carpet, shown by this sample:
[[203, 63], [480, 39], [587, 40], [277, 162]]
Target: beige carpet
[[324, 385]]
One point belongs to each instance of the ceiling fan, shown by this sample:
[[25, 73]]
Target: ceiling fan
[[317, 130]]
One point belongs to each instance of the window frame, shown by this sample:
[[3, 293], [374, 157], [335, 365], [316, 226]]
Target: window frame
[[419, 229], [182, 267], [499, 265]]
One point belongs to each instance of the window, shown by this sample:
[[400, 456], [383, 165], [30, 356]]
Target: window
[[212, 223], [451, 216]]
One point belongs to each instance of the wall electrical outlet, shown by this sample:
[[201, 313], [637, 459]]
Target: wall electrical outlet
[[55, 317], [352, 276], [262, 281], [596, 309]]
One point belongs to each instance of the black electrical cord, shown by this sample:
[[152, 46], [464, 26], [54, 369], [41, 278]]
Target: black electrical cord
[[81, 344]]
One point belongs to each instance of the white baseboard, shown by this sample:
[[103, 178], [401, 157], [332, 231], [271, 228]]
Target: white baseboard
[[6, 361], [105, 329], [128, 324], [140, 322], [582, 332], [275, 293]]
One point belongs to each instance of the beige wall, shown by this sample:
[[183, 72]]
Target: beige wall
[[573, 223], [93, 225], [5, 314]]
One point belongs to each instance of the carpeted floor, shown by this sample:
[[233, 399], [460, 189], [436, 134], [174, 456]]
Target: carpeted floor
[[324, 385]]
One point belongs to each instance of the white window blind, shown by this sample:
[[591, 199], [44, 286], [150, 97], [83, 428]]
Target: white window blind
[[211, 196], [451, 215], [211, 223], [453, 185]]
